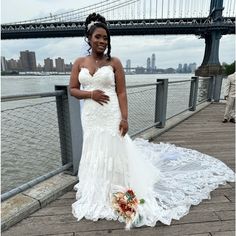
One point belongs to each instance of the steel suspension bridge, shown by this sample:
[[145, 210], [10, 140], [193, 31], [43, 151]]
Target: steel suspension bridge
[[138, 9], [209, 19]]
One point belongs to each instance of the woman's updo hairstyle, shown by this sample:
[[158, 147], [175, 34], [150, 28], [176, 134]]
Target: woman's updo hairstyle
[[94, 21]]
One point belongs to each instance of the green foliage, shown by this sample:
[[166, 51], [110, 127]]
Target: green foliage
[[9, 73], [229, 68], [142, 201]]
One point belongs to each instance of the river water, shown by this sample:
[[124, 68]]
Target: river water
[[30, 137]]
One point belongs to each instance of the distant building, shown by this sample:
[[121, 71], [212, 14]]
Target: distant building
[[13, 65], [40, 68], [28, 61], [169, 70], [68, 67], [192, 67], [3, 64], [180, 68], [185, 68], [148, 64], [153, 65], [48, 64], [139, 70], [128, 65], [60, 65]]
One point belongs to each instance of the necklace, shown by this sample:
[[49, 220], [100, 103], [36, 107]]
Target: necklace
[[98, 62]]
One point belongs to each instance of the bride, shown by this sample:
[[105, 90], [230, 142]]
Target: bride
[[135, 182]]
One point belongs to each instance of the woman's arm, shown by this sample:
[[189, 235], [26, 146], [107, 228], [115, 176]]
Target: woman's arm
[[74, 82], [121, 94]]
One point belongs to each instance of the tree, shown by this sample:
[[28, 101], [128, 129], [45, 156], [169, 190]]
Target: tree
[[229, 68]]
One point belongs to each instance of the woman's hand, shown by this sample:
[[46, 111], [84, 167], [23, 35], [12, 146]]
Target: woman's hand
[[99, 96], [123, 127]]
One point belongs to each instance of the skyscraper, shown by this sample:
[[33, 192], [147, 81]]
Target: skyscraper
[[180, 68], [192, 67], [60, 65], [153, 66], [128, 65], [148, 64], [3, 64], [13, 65], [28, 61], [185, 68], [48, 64]]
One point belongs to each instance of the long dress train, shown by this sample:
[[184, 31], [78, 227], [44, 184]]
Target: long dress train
[[170, 179]]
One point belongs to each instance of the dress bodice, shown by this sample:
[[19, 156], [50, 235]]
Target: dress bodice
[[103, 78], [94, 115]]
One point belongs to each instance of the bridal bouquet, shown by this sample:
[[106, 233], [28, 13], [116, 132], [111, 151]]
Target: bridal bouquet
[[125, 204]]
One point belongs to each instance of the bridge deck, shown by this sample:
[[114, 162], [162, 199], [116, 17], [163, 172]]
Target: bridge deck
[[203, 132]]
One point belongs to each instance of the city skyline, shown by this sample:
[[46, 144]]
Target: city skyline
[[27, 62]]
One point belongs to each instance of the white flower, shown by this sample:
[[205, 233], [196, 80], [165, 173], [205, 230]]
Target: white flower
[[92, 23]]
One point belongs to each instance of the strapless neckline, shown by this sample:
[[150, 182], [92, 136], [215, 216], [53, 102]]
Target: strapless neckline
[[99, 68]]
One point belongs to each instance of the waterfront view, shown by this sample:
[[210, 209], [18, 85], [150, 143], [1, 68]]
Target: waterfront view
[[30, 148], [30, 137]]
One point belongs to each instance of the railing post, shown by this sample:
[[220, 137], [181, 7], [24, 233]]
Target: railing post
[[70, 129], [161, 102], [217, 88], [193, 93], [210, 89]]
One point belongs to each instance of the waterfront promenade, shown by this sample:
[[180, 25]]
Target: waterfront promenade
[[203, 132]]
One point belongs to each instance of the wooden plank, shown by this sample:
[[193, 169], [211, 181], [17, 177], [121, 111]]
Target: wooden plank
[[174, 230], [225, 233], [103, 227], [226, 215], [202, 132], [46, 223], [216, 199], [60, 210], [228, 206], [65, 234], [69, 195]]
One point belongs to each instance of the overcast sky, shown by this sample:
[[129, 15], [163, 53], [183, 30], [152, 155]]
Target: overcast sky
[[169, 50]]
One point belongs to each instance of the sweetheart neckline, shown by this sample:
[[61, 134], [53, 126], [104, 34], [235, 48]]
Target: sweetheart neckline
[[97, 69]]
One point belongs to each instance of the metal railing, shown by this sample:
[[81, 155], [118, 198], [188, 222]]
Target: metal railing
[[58, 123], [166, 99], [30, 141]]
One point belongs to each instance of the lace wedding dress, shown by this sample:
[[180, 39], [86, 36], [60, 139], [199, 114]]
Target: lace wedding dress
[[170, 179]]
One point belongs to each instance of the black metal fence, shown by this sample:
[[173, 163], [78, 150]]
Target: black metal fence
[[42, 133]]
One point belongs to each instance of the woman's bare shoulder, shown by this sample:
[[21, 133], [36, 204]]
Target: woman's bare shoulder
[[115, 62], [79, 60]]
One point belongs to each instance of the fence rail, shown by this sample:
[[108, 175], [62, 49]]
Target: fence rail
[[150, 105]]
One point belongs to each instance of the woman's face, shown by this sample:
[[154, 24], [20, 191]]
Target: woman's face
[[99, 40]]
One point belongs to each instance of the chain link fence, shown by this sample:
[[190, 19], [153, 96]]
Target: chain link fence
[[141, 105], [178, 98], [30, 132], [30, 143]]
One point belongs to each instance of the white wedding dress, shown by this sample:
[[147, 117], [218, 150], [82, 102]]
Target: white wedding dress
[[170, 179]]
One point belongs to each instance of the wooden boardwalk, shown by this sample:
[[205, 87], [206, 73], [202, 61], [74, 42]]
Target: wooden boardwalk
[[203, 132]]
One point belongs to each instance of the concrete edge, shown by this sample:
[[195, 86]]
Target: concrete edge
[[24, 204], [153, 133]]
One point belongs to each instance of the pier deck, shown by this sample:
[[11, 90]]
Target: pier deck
[[203, 132]]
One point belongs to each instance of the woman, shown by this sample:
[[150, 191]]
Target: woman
[[135, 182]]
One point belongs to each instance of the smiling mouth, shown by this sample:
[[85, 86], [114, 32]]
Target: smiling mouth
[[102, 47]]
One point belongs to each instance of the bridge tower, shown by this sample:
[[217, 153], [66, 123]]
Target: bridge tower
[[211, 65]]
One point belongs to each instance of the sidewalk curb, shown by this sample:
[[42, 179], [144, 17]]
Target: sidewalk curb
[[24, 204]]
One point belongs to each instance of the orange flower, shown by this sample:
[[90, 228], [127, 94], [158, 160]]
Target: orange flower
[[125, 204]]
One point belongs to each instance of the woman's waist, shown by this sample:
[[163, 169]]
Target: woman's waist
[[108, 90]]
